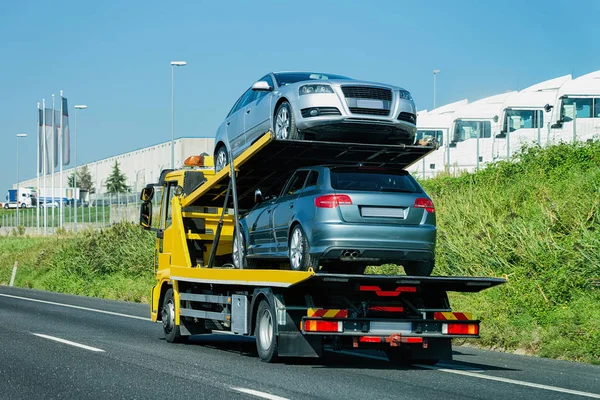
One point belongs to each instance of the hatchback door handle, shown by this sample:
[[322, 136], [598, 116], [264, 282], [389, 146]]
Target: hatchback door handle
[[228, 123], [247, 111], [291, 205]]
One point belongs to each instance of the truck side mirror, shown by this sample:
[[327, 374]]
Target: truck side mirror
[[146, 215], [147, 193], [258, 196]]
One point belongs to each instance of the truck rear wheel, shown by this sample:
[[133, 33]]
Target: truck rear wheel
[[266, 340], [171, 331]]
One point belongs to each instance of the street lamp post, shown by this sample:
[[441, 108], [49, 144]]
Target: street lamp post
[[19, 135], [77, 107], [435, 72], [173, 65]]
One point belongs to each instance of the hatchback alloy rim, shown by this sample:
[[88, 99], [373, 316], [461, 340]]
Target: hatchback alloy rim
[[283, 123], [236, 258], [266, 330], [296, 249], [221, 159]]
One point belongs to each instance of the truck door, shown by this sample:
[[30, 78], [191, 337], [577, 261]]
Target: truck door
[[165, 235]]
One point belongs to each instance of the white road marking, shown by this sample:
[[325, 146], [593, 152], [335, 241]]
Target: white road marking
[[259, 394], [81, 346], [481, 376], [76, 307]]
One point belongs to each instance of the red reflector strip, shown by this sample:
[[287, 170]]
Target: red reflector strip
[[412, 340], [323, 326], [460, 329], [387, 309], [370, 339], [388, 293]]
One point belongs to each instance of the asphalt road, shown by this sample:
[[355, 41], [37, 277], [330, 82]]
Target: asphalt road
[[55, 346]]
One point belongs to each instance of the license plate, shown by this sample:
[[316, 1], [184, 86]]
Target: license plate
[[383, 212], [365, 103]]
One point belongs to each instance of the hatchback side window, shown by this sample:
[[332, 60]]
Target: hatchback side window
[[295, 183], [312, 180]]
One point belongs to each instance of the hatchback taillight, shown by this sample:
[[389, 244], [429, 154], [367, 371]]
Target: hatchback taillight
[[427, 204], [333, 200]]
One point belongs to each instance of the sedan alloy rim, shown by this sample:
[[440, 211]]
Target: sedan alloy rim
[[221, 159], [296, 250], [283, 123]]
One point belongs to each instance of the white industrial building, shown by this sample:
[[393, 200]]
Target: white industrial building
[[140, 166], [494, 128]]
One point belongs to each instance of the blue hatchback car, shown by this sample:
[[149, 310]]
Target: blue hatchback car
[[341, 218]]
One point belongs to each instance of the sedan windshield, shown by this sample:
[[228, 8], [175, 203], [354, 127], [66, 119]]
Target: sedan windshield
[[373, 181], [285, 78]]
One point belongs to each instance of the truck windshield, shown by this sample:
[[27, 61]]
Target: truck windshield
[[373, 181]]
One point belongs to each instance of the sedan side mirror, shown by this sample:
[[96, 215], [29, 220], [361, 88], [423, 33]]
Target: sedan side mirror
[[258, 196], [262, 86]]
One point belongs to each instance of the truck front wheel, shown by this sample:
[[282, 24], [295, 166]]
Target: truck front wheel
[[172, 331], [266, 340]]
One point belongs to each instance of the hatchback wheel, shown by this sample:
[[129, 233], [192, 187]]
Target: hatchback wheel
[[237, 249], [221, 159], [298, 250], [285, 123]]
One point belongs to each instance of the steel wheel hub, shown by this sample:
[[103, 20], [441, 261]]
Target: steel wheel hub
[[266, 330], [168, 316]]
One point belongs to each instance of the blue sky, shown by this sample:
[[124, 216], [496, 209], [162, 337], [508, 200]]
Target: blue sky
[[114, 56]]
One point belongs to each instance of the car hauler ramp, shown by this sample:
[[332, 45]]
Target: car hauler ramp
[[267, 162]]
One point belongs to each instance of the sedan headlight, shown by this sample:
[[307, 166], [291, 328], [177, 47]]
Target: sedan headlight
[[405, 95], [312, 89]]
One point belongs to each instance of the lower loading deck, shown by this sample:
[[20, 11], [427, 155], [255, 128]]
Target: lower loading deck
[[306, 309]]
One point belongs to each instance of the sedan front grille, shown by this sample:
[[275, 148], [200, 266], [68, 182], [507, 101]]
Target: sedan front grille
[[367, 92], [368, 111]]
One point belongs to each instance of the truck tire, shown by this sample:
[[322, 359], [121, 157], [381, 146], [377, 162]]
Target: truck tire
[[171, 331], [264, 331], [418, 268]]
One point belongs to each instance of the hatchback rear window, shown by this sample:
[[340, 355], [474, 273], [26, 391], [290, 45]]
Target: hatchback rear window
[[374, 181]]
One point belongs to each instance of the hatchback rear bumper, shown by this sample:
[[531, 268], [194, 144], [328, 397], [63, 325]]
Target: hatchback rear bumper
[[372, 243]]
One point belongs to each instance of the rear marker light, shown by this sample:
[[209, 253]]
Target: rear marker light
[[333, 200], [460, 329], [323, 326], [427, 204]]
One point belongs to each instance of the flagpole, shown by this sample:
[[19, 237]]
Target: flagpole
[[44, 163], [60, 158], [52, 166], [37, 172]]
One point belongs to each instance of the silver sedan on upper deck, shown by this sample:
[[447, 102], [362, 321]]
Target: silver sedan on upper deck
[[316, 106]]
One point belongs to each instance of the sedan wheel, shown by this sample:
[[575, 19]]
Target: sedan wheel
[[285, 123], [221, 159]]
